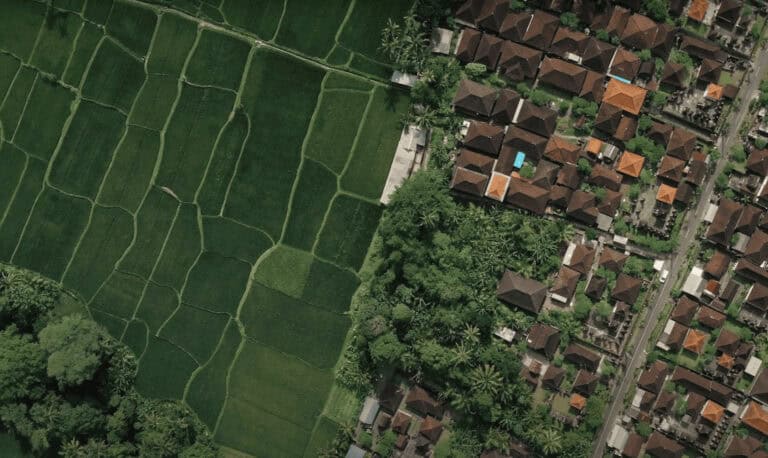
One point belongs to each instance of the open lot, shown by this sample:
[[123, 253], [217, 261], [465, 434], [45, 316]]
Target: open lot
[[211, 197]]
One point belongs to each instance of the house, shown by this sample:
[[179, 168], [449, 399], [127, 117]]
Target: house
[[441, 41], [756, 250], [630, 164], [579, 257], [401, 422], [541, 30], [625, 64], [568, 44], [469, 11], [604, 177], [729, 12], [469, 182], [544, 339], [717, 264], [559, 196], [756, 417], [553, 377], [702, 385], [724, 224], [627, 289], [684, 193], [581, 207], [475, 162], [672, 337], [681, 143], [712, 412], [514, 25], [751, 271], [527, 196], [612, 260], [585, 383], [760, 388], [757, 162], [569, 176], [710, 317], [608, 118], [369, 411], [488, 51], [640, 32], [469, 39], [525, 293], [474, 99], [497, 187], [565, 285], [697, 168], [660, 446], [546, 174], [613, 22], [695, 340], [666, 194], [390, 397], [633, 446], [671, 168], [431, 428], [610, 203], [626, 128], [519, 62], [674, 75], [577, 402], [660, 133], [581, 357], [517, 139], [709, 71], [596, 287], [628, 97], [698, 10], [593, 88], [684, 310], [597, 55], [540, 120], [653, 377], [355, 452], [484, 138], [506, 104], [702, 49], [492, 14], [423, 403], [561, 150], [757, 296], [749, 219], [745, 447], [562, 75], [727, 342], [665, 38]]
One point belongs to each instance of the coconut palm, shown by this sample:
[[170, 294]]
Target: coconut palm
[[550, 441], [486, 379]]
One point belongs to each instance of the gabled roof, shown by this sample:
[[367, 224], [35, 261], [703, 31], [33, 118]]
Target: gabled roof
[[582, 207], [605, 177], [665, 37], [492, 14], [526, 293], [684, 193], [541, 30], [474, 99], [527, 196], [561, 150], [569, 176], [700, 384], [488, 51], [568, 41], [543, 338], [630, 164], [540, 120], [470, 39], [597, 55], [712, 412], [717, 264], [514, 25], [505, 106], [724, 224], [698, 47], [756, 417], [582, 357], [675, 75], [476, 162], [639, 32], [627, 289], [562, 75], [593, 89], [400, 422], [697, 169], [517, 139], [485, 138], [625, 64], [613, 22], [582, 258], [710, 317], [757, 162], [660, 446], [565, 283], [585, 383], [685, 310], [671, 168], [681, 143], [628, 97], [469, 182], [666, 194], [676, 336], [612, 260], [652, 378], [710, 70], [695, 341], [647, 69], [519, 62]]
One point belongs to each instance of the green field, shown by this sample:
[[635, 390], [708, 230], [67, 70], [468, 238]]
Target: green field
[[210, 196]]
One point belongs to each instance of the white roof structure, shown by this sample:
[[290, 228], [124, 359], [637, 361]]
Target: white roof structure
[[355, 452], [694, 284], [618, 438], [412, 140], [709, 216], [370, 409], [620, 240], [753, 366], [441, 40], [505, 334], [403, 79]]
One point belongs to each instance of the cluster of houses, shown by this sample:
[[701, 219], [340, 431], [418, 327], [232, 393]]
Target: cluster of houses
[[516, 152]]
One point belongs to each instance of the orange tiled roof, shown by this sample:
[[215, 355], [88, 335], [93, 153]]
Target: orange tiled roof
[[712, 411], [497, 188], [725, 360], [714, 91], [666, 194], [578, 401], [698, 10], [630, 164], [594, 145], [628, 97], [695, 340], [756, 417]]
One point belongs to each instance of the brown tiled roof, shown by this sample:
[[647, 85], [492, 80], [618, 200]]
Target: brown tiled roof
[[420, 401], [681, 144], [676, 336], [469, 182], [639, 32], [474, 99], [684, 193], [568, 41], [469, 11], [697, 168], [541, 30], [585, 383], [627, 289], [492, 14], [666, 194], [613, 22], [488, 51], [743, 447], [526, 293], [652, 378], [727, 342], [610, 203], [400, 422], [628, 97], [698, 10], [527, 196], [553, 377], [605, 177], [517, 139], [592, 90], [519, 62], [630, 164], [626, 129], [514, 25], [685, 310], [612, 260], [431, 428], [625, 64], [608, 118], [470, 39], [660, 133], [660, 446], [712, 412], [562, 75], [665, 37], [729, 11], [565, 283], [546, 174], [543, 338], [730, 91], [695, 341], [756, 417], [569, 176], [582, 357], [710, 317], [485, 138], [749, 219], [633, 446], [505, 106], [709, 71], [540, 120], [582, 207], [561, 150], [757, 248], [717, 264], [596, 287], [582, 258], [751, 271], [647, 69], [675, 75], [760, 388], [559, 196], [476, 162], [724, 224], [758, 296], [698, 47], [757, 162], [597, 55], [665, 402], [390, 397], [671, 168]]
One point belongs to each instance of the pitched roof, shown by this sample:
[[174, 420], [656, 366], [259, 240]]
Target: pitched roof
[[676, 336], [545, 175], [626, 128], [729, 11], [469, 181], [517, 139], [569, 176], [710, 70], [565, 283], [603, 176], [760, 388], [526, 293], [519, 62], [474, 99], [400, 422], [666, 194], [608, 117], [660, 133], [660, 446], [420, 401], [476, 162], [543, 338], [749, 219], [585, 382], [595, 287], [630, 164], [627, 288], [469, 10], [514, 25], [710, 317], [568, 41], [684, 193], [727, 341], [582, 357], [597, 55], [713, 91], [578, 401], [757, 248], [470, 39], [431, 428], [553, 377], [695, 341], [625, 64], [743, 447], [581, 207], [561, 150], [697, 169], [614, 22], [652, 378], [559, 196], [540, 120], [488, 51], [685, 310], [612, 260], [758, 296], [681, 143], [492, 14], [698, 10], [639, 32], [717, 264], [485, 138], [633, 446], [593, 88], [562, 75], [698, 47], [628, 97], [671, 168], [582, 258], [665, 37], [527, 196], [712, 412], [757, 162], [724, 224], [504, 109], [610, 203], [594, 145], [756, 417], [497, 187], [541, 30], [391, 396], [675, 75]]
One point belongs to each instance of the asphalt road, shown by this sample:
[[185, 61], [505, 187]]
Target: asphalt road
[[687, 238]]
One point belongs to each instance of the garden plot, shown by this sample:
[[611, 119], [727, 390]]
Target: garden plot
[[211, 197]]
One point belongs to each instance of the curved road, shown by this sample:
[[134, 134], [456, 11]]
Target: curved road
[[639, 341]]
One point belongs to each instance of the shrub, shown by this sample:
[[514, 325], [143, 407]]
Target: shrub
[[475, 71]]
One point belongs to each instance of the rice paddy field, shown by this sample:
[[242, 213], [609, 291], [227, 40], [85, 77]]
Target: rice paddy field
[[206, 177]]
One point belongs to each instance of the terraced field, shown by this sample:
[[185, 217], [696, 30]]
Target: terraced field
[[210, 196]]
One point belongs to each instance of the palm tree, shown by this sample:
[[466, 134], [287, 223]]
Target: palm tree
[[486, 379], [461, 354], [471, 334], [550, 441]]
